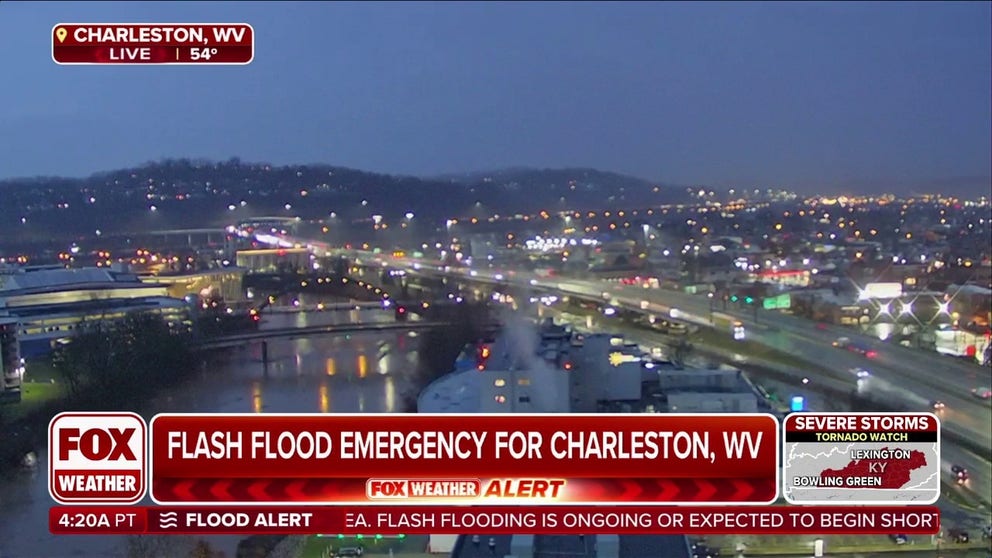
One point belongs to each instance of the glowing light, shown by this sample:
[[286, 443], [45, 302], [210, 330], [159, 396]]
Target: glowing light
[[325, 399], [363, 366], [256, 397]]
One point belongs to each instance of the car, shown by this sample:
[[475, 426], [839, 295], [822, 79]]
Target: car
[[860, 373], [841, 342], [899, 539], [937, 405], [959, 536], [349, 552], [982, 393], [739, 334], [960, 473]]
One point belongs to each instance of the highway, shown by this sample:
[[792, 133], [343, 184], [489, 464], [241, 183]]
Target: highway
[[975, 490], [915, 377], [910, 376]]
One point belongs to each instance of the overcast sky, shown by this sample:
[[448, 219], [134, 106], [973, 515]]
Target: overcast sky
[[838, 97]]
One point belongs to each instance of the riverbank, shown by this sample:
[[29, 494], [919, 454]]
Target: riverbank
[[44, 395], [26, 423]]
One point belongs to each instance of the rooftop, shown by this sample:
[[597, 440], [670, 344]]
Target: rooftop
[[54, 279], [457, 392], [96, 306]]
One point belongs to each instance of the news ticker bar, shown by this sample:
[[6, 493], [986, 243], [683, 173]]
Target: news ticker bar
[[493, 520], [153, 43]]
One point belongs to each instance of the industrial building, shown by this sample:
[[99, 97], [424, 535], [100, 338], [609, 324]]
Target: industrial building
[[210, 284], [48, 304], [552, 369]]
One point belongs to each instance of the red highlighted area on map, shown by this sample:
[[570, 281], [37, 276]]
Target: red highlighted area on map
[[875, 468]]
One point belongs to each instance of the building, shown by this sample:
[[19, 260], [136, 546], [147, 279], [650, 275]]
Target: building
[[48, 304], [606, 369], [211, 284], [706, 391], [557, 370], [271, 260], [11, 363], [970, 304]]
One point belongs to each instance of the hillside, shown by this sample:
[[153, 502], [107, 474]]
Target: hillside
[[194, 193]]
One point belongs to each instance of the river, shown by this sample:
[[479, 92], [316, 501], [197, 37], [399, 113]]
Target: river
[[366, 372]]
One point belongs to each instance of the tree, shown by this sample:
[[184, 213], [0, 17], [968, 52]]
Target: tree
[[114, 362], [439, 347], [85, 353], [680, 352], [202, 549]]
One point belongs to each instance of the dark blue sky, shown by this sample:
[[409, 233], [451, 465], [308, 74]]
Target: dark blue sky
[[843, 96]]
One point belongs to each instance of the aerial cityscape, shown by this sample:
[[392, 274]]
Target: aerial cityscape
[[647, 232]]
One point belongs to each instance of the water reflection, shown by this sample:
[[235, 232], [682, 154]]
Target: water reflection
[[320, 374], [325, 400], [256, 396], [390, 393]]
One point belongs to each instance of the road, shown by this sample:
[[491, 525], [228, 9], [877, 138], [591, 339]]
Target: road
[[975, 490], [911, 376]]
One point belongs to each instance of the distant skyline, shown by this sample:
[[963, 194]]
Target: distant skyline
[[831, 97]]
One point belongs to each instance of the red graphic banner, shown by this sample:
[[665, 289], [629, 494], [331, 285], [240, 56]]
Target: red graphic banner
[[153, 43], [369, 521], [460, 459]]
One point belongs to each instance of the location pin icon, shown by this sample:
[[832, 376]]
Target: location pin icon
[[61, 33]]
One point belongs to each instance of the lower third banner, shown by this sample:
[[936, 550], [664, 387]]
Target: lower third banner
[[464, 459], [370, 521]]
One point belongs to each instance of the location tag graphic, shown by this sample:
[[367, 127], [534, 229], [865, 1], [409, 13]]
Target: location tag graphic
[[152, 43]]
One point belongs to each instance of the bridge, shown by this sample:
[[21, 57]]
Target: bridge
[[239, 339], [274, 285]]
